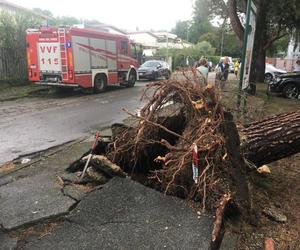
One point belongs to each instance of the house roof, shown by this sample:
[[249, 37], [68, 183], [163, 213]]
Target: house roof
[[103, 26], [165, 34], [16, 7], [143, 32]]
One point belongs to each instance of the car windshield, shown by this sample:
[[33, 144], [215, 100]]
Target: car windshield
[[150, 64]]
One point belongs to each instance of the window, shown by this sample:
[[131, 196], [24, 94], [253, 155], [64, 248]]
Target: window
[[124, 47]]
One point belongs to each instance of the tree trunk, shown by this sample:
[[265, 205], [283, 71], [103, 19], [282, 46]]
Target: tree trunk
[[271, 139], [260, 63], [259, 52], [234, 19]]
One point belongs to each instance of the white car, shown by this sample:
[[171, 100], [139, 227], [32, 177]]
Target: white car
[[271, 72]]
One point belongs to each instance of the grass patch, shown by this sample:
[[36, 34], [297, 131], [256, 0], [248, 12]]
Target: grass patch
[[258, 106], [13, 91], [274, 104]]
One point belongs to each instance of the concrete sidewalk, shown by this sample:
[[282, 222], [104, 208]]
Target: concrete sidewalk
[[32, 193], [121, 214], [127, 215]]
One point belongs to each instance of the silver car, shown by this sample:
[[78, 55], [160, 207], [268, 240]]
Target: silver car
[[272, 72]]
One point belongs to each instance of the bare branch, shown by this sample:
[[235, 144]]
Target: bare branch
[[234, 19]]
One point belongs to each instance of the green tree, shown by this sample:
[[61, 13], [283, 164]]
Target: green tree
[[43, 12], [213, 38], [231, 45], [181, 29], [13, 27], [192, 30], [275, 19], [203, 48], [56, 21], [279, 47], [194, 52], [12, 41]]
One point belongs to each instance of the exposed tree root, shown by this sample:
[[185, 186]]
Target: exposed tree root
[[178, 116]]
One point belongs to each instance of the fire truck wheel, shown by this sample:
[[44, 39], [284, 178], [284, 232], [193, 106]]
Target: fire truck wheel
[[131, 79], [100, 83]]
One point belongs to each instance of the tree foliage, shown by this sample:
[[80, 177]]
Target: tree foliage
[[181, 29], [278, 48], [275, 19], [200, 29], [13, 27], [13, 45], [200, 22], [190, 54], [231, 45]]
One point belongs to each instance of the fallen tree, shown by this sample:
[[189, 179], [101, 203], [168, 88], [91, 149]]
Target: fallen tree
[[162, 142], [187, 145], [271, 139], [161, 145]]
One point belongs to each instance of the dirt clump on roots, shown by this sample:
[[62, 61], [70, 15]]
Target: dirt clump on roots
[[179, 118]]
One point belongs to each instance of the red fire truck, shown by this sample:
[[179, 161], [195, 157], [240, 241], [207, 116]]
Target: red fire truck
[[75, 57]]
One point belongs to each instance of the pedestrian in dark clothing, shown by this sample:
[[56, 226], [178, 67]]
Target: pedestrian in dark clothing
[[222, 72]]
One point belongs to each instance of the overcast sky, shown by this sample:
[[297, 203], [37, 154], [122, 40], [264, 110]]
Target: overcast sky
[[144, 14]]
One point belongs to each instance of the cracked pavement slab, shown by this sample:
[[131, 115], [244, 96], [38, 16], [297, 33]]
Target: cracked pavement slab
[[127, 215], [31, 199], [33, 194], [7, 243]]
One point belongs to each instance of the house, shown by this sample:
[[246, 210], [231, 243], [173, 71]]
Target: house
[[107, 28], [152, 41], [147, 39], [167, 39], [14, 8], [11, 7]]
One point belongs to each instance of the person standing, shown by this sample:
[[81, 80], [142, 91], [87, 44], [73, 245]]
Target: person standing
[[222, 72], [297, 66], [237, 67], [203, 69]]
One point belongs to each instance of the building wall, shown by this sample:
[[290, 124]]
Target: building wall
[[174, 45], [280, 63], [291, 53], [144, 38]]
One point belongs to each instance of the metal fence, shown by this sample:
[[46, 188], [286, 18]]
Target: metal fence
[[13, 65]]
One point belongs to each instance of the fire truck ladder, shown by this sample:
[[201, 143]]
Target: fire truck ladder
[[63, 53]]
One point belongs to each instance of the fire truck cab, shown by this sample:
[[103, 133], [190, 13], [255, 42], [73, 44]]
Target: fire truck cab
[[75, 57]]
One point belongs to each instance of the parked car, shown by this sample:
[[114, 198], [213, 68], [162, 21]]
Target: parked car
[[154, 69], [286, 84], [272, 72]]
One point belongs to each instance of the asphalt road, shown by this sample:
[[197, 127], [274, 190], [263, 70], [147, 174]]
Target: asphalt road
[[34, 124]]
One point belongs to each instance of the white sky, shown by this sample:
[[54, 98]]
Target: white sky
[[144, 14]]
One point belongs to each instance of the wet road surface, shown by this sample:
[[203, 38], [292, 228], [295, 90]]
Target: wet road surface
[[34, 124]]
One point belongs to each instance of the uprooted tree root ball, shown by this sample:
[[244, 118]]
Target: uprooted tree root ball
[[179, 115]]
